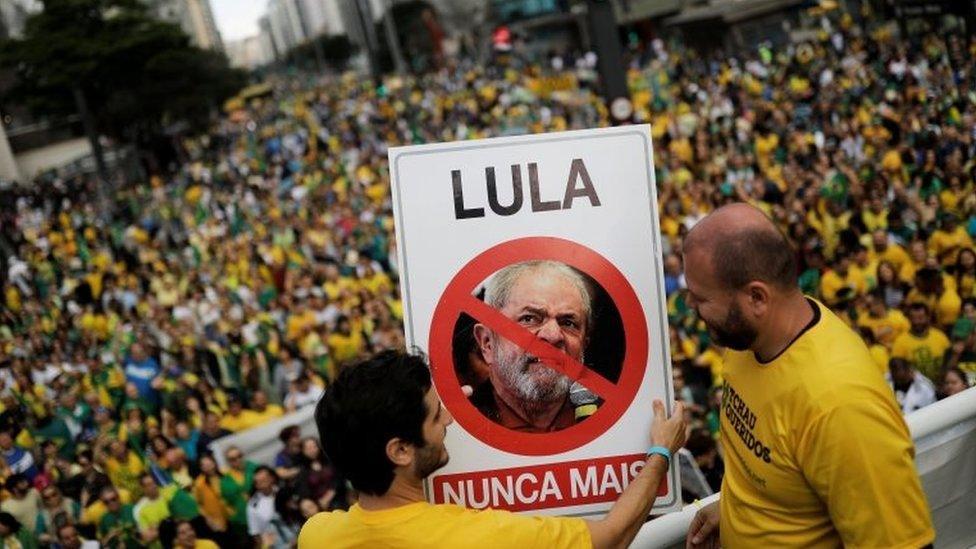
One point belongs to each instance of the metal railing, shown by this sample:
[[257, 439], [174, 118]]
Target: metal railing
[[945, 455]]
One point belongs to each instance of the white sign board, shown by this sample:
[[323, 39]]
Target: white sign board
[[569, 348]]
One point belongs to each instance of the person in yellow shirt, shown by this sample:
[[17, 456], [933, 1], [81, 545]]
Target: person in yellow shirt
[[386, 430], [923, 346], [843, 282], [932, 290], [206, 492], [879, 353], [918, 255], [298, 323], [261, 410], [237, 418], [946, 242], [883, 250], [885, 324], [964, 273], [875, 217], [952, 197], [798, 384], [866, 267], [345, 343], [186, 537], [711, 358], [829, 218], [123, 467]]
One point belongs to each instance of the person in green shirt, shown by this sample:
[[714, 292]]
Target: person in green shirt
[[13, 534], [236, 485], [56, 511], [117, 529], [53, 428], [70, 410]]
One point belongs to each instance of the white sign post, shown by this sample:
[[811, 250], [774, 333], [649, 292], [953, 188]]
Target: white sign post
[[584, 199]]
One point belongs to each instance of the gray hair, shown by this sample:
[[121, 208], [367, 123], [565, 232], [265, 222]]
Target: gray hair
[[499, 286]]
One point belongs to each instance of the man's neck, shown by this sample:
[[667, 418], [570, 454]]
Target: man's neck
[[540, 415], [788, 320], [402, 492]]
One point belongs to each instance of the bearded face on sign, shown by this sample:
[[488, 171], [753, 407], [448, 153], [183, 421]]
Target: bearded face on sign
[[552, 301], [533, 382]]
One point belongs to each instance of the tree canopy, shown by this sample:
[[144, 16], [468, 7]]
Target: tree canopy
[[139, 74]]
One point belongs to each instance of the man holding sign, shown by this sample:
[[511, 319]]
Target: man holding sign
[[383, 426]]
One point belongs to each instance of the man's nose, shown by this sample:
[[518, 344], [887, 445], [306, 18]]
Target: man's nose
[[551, 332]]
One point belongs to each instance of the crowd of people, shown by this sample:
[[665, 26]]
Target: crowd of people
[[231, 292]]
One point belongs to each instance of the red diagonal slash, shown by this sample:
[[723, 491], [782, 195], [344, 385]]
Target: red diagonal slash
[[547, 354]]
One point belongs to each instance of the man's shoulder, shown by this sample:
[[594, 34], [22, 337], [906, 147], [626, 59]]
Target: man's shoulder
[[436, 524], [322, 527]]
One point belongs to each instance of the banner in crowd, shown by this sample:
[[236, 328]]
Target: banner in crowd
[[531, 273]]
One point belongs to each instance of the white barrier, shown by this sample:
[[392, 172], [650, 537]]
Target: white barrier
[[945, 455], [261, 443]]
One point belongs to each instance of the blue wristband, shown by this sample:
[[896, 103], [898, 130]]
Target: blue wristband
[[660, 451]]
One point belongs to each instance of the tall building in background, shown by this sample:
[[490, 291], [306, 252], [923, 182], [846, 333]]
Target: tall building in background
[[248, 53], [354, 13], [287, 23], [323, 17], [272, 48], [195, 17]]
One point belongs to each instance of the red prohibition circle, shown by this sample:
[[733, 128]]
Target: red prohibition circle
[[458, 297]]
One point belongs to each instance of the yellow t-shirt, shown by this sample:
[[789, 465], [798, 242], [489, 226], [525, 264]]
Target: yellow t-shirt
[[946, 306], [297, 323], [205, 544], [832, 282], [924, 353], [887, 328], [966, 286], [243, 422], [881, 357], [126, 475], [345, 347], [270, 412], [894, 254], [712, 359], [807, 436], [422, 524], [874, 221], [945, 246]]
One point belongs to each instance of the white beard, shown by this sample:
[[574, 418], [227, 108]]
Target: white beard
[[541, 388]]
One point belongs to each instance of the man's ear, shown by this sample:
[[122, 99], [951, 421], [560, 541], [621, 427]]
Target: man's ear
[[399, 452], [482, 336], [759, 296]]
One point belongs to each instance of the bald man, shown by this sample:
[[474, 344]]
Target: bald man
[[817, 452]]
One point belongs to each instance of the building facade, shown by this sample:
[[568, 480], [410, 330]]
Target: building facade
[[195, 17]]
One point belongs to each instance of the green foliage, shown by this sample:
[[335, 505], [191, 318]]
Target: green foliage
[[336, 51], [139, 74]]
